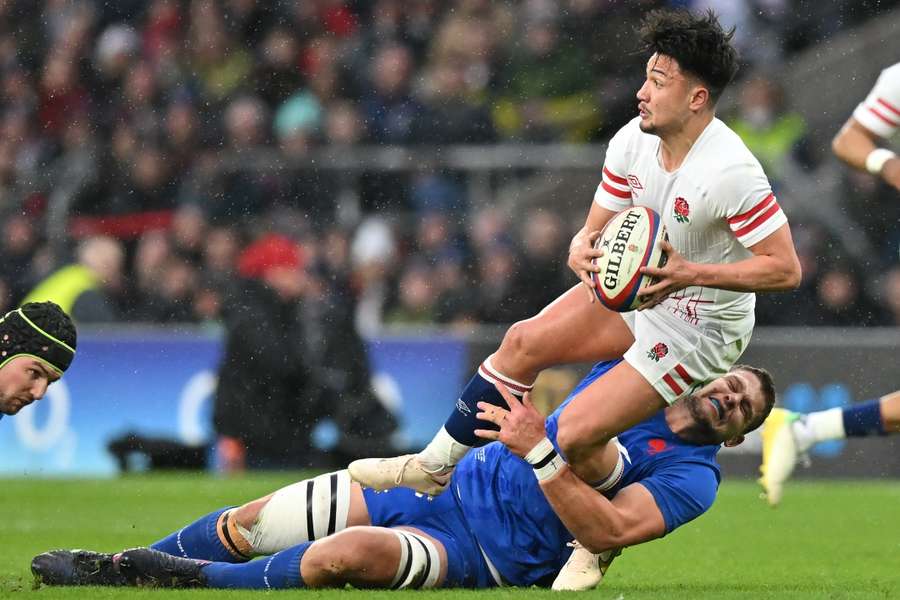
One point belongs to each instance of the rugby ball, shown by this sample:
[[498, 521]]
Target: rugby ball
[[630, 241]]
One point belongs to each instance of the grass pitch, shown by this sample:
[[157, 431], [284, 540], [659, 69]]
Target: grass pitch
[[827, 540]]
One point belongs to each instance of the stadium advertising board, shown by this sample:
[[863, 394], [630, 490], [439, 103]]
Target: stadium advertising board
[[161, 385]]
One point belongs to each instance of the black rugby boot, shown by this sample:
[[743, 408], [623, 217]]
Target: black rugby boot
[[75, 567], [151, 568]]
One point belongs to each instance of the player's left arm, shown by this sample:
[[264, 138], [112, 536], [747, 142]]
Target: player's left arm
[[739, 195], [773, 267]]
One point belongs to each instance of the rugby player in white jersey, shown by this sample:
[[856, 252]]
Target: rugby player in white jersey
[[728, 239], [788, 435]]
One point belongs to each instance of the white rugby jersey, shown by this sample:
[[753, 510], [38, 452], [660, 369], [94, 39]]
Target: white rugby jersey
[[715, 205], [880, 111]]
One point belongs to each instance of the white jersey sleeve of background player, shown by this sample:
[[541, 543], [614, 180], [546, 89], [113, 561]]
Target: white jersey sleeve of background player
[[880, 111], [614, 192]]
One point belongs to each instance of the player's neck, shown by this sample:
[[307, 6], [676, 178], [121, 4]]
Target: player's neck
[[678, 417], [683, 424], [675, 147]]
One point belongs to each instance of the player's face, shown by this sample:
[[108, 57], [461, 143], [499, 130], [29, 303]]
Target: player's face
[[664, 101], [724, 408], [22, 381]]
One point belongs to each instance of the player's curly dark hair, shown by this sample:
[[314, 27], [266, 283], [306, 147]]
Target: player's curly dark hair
[[698, 42], [52, 319], [767, 383]]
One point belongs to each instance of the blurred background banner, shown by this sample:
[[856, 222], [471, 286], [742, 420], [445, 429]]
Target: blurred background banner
[[152, 383], [331, 183], [159, 385], [419, 378]]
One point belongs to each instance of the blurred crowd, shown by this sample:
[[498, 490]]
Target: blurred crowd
[[156, 154]]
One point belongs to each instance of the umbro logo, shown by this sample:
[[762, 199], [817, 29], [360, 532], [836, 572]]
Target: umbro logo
[[634, 182], [463, 407]]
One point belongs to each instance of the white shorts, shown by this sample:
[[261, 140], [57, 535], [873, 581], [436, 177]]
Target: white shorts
[[676, 357]]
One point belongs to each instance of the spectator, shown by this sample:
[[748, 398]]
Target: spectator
[[890, 293], [842, 300], [173, 300], [373, 256], [538, 279], [545, 90], [87, 290], [242, 192], [391, 113], [188, 232], [450, 115], [342, 365], [18, 246], [277, 72], [456, 304], [127, 110], [61, 94], [801, 306], [217, 58], [343, 124], [265, 404], [220, 252], [775, 135], [389, 108], [181, 130], [417, 297], [497, 304], [296, 124], [116, 49], [151, 255]]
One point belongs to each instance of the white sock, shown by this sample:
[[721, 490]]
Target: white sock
[[442, 451], [819, 427]]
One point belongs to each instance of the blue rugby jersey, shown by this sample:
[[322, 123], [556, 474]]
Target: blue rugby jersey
[[518, 530]]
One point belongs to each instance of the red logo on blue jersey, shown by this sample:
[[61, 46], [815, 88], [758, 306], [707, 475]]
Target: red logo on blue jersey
[[656, 445]]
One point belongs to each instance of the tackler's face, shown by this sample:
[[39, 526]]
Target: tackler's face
[[727, 406], [23, 380]]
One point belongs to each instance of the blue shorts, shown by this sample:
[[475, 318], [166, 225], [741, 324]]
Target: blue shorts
[[440, 518]]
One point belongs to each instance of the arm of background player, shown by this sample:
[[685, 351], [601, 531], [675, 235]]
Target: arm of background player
[[631, 517], [773, 267], [581, 250], [854, 143]]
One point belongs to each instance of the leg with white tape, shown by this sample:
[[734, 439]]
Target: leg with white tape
[[305, 511]]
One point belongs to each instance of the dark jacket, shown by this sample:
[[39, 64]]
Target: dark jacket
[[266, 396]]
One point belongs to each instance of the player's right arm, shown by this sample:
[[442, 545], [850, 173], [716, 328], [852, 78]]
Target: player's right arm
[[631, 517], [598, 523], [854, 144], [581, 250], [612, 196], [859, 142]]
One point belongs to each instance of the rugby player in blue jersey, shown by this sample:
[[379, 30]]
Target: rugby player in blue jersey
[[514, 527]]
